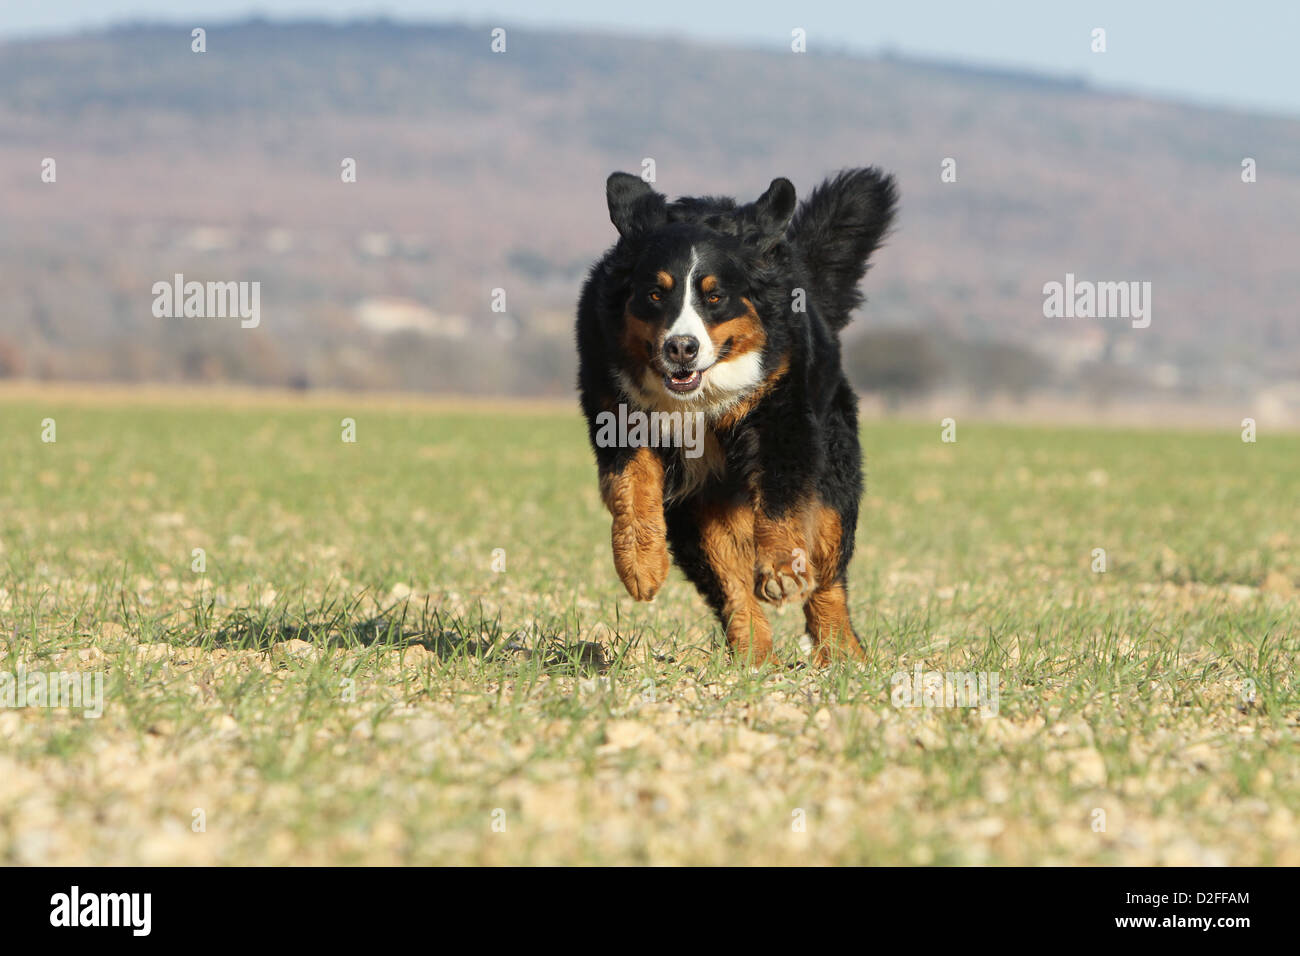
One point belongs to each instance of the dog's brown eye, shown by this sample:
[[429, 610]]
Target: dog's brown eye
[[655, 296], [714, 299]]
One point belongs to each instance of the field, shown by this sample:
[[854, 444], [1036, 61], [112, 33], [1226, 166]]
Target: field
[[350, 671]]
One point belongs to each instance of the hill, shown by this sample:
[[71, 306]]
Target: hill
[[479, 171]]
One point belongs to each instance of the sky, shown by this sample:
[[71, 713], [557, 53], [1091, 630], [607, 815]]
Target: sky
[[1211, 52]]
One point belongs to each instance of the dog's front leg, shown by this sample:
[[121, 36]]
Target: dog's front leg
[[633, 491]]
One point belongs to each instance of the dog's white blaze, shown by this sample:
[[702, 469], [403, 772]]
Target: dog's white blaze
[[689, 322]]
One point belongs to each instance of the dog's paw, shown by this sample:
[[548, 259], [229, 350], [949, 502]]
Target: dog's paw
[[640, 557], [777, 580]]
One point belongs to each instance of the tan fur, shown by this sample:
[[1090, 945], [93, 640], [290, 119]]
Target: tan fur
[[826, 615], [783, 553], [826, 612], [727, 539], [745, 332], [827, 535], [635, 499]]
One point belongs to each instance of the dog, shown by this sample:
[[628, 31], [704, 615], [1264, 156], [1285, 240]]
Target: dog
[[730, 314]]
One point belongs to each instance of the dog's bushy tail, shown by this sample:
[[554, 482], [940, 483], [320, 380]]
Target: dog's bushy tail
[[836, 229]]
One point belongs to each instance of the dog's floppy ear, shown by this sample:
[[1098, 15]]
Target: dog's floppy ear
[[775, 207], [633, 205]]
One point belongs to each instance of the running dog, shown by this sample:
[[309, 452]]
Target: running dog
[[731, 314]]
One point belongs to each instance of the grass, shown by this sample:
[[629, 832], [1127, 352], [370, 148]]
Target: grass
[[349, 680]]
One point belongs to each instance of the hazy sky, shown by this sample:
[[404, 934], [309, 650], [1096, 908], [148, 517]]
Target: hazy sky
[[1207, 51]]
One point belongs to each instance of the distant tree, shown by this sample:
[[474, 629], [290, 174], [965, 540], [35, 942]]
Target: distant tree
[[1102, 382], [991, 367], [896, 363], [11, 360]]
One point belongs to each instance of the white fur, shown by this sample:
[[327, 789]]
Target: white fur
[[690, 322], [733, 378]]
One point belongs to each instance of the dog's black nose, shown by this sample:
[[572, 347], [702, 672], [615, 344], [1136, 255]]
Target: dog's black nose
[[681, 349]]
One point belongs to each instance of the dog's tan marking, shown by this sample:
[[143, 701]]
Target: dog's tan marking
[[745, 332], [665, 280], [826, 615], [708, 284], [826, 612], [727, 540], [827, 536], [783, 553]]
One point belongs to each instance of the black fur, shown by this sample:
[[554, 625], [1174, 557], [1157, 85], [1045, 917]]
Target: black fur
[[799, 441], [837, 229]]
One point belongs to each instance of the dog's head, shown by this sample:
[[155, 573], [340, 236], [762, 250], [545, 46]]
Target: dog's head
[[695, 327]]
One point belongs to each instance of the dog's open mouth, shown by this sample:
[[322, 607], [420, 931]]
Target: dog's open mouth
[[683, 381]]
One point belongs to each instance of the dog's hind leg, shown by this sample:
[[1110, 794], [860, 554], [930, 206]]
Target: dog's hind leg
[[713, 540], [826, 611], [826, 614]]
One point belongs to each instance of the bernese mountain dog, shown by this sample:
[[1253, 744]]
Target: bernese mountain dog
[[727, 316]]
